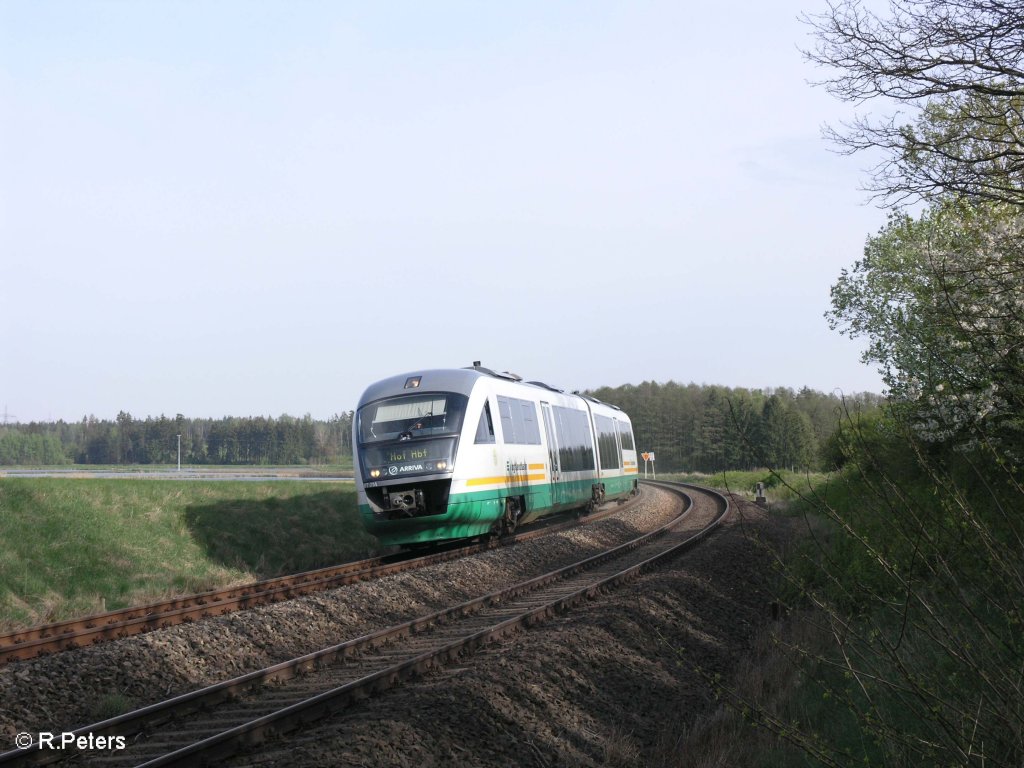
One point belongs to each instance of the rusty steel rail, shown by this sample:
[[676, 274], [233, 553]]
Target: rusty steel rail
[[112, 625], [204, 726]]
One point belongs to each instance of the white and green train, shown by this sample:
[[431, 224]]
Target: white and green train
[[459, 453]]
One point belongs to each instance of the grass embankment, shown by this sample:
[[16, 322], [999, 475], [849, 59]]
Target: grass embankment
[[342, 469], [902, 640], [781, 488], [773, 684], [70, 547]]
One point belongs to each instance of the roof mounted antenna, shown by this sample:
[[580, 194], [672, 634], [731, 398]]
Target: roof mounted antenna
[[480, 369], [489, 372]]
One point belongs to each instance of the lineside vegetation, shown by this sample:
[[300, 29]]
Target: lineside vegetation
[[905, 643], [69, 547]]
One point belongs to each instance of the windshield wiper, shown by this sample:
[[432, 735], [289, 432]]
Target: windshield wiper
[[417, 423]]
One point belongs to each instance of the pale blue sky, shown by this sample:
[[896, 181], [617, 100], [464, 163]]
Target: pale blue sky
[[260, 207]]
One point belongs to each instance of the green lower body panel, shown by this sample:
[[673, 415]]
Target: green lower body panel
[[479, 512], [618, 486]]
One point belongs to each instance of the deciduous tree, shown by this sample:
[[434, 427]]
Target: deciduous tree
[[939, 299]]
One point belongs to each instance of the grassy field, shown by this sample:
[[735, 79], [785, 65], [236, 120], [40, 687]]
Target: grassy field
[[74, 546], [341, 469], [781, 488]]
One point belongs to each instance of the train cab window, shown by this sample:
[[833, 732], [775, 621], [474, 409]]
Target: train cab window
[[485, 428], [411, 416]]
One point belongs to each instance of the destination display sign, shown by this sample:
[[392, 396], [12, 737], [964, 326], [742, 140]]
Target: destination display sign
[[405, 455], [412, 458]]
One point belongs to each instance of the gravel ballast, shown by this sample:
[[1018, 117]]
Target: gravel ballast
[[68, 690], [615, 682]]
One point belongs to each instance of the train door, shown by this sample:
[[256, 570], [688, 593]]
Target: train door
[[553, 462]]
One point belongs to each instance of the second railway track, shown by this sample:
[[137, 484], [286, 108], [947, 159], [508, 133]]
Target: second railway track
[[207, 724], [111, 625]]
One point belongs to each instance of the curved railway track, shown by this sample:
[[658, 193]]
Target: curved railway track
[[111, 625], [209, 724]]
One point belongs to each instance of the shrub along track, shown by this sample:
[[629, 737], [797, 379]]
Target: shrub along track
[[97, 628], [249, 708]]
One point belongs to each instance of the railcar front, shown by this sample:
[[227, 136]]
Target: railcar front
[[406, 436]]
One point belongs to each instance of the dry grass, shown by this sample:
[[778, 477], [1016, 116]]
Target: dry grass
[[620, 748], [755, 704]]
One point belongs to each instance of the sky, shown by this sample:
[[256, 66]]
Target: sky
[[256, 208]]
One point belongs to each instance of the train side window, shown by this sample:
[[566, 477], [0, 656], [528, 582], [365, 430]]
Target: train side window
[[607, 444], [575, 444], [531, 427], [518, 421], [627, 436], [485, 429], [508, 428]]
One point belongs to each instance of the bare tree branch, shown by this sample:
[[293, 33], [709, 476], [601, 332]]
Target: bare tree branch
[[955, 70]]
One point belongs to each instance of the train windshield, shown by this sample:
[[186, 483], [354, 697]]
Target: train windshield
[[411, 416]]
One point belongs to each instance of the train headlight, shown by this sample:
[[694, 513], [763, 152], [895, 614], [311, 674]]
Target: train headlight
[[442, 465], [374, 473]]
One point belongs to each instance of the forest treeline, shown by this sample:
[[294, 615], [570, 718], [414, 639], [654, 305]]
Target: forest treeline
[[689, 427], [230, 440], [703, 428]]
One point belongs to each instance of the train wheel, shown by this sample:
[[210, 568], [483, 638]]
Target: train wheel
[[510, 519]]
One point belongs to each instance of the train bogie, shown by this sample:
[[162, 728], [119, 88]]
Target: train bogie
[[450, 454]]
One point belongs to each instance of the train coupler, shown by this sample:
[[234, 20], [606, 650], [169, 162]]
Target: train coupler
[[408, 503]]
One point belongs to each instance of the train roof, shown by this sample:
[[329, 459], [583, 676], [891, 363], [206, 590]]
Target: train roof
[[459, 380], [438, 380]]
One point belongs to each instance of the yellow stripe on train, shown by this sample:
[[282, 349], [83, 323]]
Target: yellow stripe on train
[[505, 479]]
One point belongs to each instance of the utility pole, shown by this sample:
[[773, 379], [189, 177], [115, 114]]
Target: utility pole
[[179, 453]]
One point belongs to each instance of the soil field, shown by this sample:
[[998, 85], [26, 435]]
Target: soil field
[[623, 682]]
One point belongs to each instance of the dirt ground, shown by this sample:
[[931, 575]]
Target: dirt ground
[[612, 684]]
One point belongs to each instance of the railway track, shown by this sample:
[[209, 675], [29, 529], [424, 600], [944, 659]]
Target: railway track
[[111, 625], [209, 724]]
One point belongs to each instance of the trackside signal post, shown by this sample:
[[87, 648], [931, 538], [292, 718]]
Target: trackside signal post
[[648, 458], [760, 500]]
